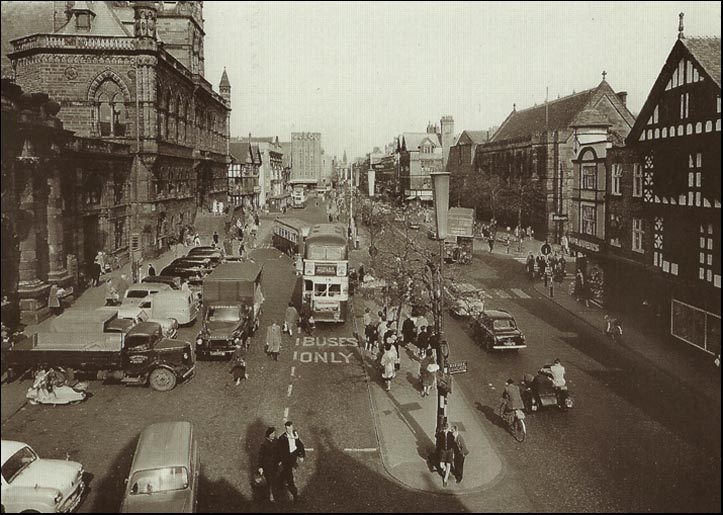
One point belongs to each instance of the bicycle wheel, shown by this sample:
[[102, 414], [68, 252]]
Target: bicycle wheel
[[519, 431]]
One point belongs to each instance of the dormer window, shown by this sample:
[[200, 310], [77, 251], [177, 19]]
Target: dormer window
[[82, 21]]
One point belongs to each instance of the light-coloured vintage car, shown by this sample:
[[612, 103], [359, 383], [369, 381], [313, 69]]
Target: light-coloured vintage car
[[34, 485], [467, 300]]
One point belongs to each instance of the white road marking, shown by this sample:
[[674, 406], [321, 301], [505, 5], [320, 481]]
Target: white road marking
[[286, 414], [288, 393], [293, 370], [370, 449], [521, 294], [502, 294]]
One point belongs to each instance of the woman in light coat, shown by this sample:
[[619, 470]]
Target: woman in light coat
[[291, 319], [388, 362], [273, 341]]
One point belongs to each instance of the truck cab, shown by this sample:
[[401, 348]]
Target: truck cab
[[161, 361]]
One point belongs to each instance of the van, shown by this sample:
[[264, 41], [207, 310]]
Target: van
[[164, 474], [137, 292], [181, 306]]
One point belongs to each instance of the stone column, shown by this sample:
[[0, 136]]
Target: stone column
[[32, 291], [57, 271]]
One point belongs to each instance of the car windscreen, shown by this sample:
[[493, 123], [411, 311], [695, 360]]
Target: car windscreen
[[504, 324], [136, 294], [17, 463], [223, 314], [166, 479]]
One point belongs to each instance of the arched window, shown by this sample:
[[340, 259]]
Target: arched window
[[109, 96]]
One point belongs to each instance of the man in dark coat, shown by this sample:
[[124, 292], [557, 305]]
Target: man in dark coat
[[269, 461], [290, 449], [460, 453], [409, 330]]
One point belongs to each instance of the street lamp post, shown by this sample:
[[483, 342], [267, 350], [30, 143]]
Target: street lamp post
[[440, 190]]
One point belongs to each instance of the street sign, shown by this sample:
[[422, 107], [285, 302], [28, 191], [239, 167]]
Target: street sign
[[460, 367], [559, 218]]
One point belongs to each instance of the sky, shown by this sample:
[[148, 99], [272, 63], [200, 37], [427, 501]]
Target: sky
[[361, 73]]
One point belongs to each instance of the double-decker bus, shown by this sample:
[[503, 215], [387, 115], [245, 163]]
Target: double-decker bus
[[290, 234], [298, 198], [326, 272]]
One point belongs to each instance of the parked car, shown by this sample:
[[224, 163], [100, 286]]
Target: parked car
[[137, 292], [191, 273], [31, 484], [204, 262], [181, 306], [466, 300], [173, 282], [214, 254], [165, 471], [497, 330]]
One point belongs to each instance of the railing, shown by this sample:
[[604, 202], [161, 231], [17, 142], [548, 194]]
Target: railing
[[72, 41], [89, 145]]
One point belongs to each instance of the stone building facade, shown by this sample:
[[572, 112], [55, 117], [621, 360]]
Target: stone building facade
[[132, 73], [107, 102], [305, 158]]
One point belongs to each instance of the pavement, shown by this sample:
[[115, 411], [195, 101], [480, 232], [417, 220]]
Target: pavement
[[405, 424]]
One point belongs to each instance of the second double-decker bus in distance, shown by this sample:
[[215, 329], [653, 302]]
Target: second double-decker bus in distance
[[298, 198], [290, 234], [326, 272]]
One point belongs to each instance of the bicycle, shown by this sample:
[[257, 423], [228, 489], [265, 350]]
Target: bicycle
[[515, 420]]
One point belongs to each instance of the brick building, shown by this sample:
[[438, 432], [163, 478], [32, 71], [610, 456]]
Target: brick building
[[462, 167], [532, 152], [132, 73], [664, 200]]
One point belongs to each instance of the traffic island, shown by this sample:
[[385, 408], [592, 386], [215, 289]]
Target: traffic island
[[405, 422]]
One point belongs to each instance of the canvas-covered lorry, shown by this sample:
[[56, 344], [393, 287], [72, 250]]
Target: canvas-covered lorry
[[232, 301]]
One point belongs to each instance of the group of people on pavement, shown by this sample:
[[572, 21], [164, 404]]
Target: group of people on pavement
[[278, 457], [450, 453]]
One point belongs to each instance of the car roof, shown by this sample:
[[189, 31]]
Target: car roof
[[149, 286], [164, 444], [497, 313], [8, 448]]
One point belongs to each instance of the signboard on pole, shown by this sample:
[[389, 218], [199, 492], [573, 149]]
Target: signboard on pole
[[459, 367], [370, 179]]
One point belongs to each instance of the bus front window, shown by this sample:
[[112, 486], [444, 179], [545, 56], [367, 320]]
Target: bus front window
[[321, 290], [334, 290]]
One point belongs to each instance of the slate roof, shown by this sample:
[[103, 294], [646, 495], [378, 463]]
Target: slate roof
[[707, 52], [105, 22], [560, 114], [242, 152], [590, 117], [412, 140]]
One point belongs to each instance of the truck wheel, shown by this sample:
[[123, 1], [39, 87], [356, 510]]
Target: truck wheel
[[162, 380]]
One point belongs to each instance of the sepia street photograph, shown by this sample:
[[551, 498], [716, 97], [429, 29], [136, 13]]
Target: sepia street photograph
[[360, 257]]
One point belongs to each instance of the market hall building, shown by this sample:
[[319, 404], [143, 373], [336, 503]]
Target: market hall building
[[133, 143]]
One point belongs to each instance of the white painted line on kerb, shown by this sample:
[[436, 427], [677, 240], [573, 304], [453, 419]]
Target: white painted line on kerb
[[502, 294], [288, 393], [286, 414], [521, 294]]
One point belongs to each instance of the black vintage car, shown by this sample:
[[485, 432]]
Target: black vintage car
[[193, 274], [212, 253], [497, 330], [172, 281]]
